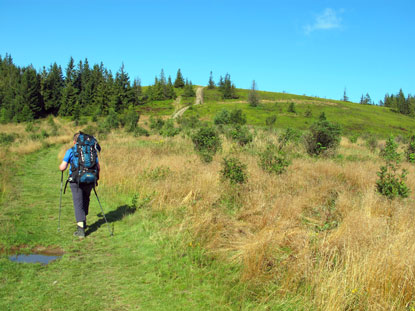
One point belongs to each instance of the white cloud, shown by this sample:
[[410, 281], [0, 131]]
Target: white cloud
[[327, 20]]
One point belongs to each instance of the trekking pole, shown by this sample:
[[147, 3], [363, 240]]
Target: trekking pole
[[60, 204], [109, 229]]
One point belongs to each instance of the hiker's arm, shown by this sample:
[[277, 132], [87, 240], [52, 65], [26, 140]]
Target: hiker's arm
[[63, 166]]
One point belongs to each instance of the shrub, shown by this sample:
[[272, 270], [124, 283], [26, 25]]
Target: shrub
[[189, 122], [353, 138], [289, 135], [131, 118], [410, 150], [52, 125], [168, 129], [233, 170], [222, 117], [371, 142], [156, 124], [273, 160], [291, 108], [237, 117], [241, 135], [111, 121], [390, 152], [390, 183], [308, 113], [324, 136], [7, 139], [139, 131], [206, 143], [270, 121], [31, 128], [91, 130]]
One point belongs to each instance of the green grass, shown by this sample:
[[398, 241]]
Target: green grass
[[354, 118], [142, 267]]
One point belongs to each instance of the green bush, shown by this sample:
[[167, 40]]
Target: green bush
[[130, 119], [7, 139], [233, 170], [241, 135], [188, 122], [371, 142], [289, 135], [235, 116], [291, 108], [324, 137], [156, 124], [390, 183], [308, 113], [270, 121], [273, 160], [206, 143], [111, 121], [222, 117], [31, 128], [168, 129], [410, 150], [353, 138], [91, 130], [139, 131], [390, 152]]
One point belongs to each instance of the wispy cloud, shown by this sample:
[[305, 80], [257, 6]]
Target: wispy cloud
[[328, 19]]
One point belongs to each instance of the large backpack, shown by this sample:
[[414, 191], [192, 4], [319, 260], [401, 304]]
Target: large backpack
[[84, 165]]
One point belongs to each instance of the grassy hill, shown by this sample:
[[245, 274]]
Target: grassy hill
[[354, 118]]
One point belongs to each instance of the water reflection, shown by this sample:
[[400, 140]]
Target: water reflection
[[34, 258]]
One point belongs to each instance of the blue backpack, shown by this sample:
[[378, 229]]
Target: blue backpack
[[84, 165]]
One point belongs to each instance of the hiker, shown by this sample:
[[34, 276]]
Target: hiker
[[82, 177]]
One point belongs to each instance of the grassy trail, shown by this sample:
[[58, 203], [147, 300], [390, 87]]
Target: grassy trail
[[139, 268]]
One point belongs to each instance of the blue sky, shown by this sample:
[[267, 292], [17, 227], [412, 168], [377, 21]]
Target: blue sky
[[309, 47]]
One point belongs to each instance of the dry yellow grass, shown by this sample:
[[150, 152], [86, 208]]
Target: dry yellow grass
[[319, 230]]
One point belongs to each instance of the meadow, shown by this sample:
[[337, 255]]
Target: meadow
[[316, 237]]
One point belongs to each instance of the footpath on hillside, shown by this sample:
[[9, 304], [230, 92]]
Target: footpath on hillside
[[139, 268], [198, 101]]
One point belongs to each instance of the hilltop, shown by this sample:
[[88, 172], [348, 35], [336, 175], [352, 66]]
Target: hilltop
[[355, 119]]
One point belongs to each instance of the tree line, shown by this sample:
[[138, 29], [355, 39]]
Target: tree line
[[26, 94]]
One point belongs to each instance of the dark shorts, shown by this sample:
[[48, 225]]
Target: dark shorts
[[80, 196]]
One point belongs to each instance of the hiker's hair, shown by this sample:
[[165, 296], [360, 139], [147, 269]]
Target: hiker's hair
[[75, 136]]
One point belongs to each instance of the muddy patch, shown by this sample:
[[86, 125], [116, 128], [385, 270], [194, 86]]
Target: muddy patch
[[37, 254]]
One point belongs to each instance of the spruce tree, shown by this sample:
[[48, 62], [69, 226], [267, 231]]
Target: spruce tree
[[179, 82], [253, 97], [188, 89], [211, 83]]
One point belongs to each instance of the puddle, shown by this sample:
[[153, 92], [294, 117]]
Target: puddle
[[38, 254], [34, 258]]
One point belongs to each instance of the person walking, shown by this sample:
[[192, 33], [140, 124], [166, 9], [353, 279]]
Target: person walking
[[83, 175]]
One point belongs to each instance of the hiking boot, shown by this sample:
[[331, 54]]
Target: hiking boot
[[80, 232], [85, 225]]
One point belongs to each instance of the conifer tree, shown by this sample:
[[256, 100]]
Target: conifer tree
[[253, 97], [51, 88], [171, 94], [69, 93], [345, 97], [179, 82], [211, 83], [188, 89]]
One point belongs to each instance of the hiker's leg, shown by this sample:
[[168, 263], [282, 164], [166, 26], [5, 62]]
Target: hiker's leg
[[77, 196], [86, 194]]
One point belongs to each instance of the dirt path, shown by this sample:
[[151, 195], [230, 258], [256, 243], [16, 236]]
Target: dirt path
[[198, 101]]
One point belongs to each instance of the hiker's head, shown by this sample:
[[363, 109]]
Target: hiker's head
[[75, 137]]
